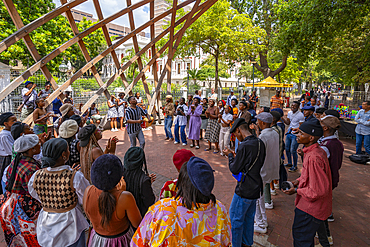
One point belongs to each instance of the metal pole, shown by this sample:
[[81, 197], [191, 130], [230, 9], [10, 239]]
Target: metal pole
[[253, 77], [187, 83]]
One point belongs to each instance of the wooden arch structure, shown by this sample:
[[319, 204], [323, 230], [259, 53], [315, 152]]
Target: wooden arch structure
[[40, 62]]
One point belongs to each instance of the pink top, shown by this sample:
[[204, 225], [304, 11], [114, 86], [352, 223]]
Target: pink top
[[314, 193]]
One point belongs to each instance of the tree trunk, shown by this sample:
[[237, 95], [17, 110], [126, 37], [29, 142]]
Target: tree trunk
[[264, 67]]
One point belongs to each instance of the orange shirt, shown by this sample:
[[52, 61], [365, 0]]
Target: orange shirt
[[277, 102]]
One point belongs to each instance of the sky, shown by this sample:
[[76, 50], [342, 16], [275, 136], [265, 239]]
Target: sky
[[109, 7]]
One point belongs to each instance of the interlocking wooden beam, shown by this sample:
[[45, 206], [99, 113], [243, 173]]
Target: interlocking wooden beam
[[28, 42], [16, 82], [136, 48], [24, 31], [40, 63], [109, 42]]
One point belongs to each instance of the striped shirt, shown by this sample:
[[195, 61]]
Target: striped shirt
[[134, 114]]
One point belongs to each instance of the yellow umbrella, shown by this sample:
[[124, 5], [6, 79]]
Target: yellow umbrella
[[268, 82]]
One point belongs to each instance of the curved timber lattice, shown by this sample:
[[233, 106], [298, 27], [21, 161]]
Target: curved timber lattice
[[40, 62]]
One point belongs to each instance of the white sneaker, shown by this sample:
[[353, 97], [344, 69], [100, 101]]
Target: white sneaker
[[269, 205], [330, 239], [260, 229], [184, 144], [112, 130], [273, 192], [264, 224], [276, 186], [116, 130], [176, 142]]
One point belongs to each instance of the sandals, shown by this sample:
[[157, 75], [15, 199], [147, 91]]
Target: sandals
[[216, 151], [207, 149]]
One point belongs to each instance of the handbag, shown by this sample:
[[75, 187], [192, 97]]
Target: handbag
[[241, 176]]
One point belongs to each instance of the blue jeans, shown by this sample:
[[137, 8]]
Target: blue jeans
[[291, 146], [305, 227], [359, 139], [167, 126], [242, 213], [182, 132]]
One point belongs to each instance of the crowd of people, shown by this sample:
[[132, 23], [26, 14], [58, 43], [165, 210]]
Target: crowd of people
[[57, 189]]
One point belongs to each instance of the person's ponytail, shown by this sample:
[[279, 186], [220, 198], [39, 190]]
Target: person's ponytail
[[107, 206], [16, 161]]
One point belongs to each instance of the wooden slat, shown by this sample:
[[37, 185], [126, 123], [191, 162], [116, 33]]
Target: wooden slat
[[22, 32], [202, 8], [109, 42], [170, 49], [83, 49], [15, 83], [28, 42], [136, 48], [155, 69]]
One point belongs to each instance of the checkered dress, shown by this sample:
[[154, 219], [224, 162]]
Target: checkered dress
[[213, 130], [74, 157], [25, 169], [55, 190]]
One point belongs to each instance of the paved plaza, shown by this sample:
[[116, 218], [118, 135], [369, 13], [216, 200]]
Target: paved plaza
[[351, 199]]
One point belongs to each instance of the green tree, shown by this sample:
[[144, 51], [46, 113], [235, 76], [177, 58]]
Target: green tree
[[46, 38], [223, 33], [95, 44], [195, 75]]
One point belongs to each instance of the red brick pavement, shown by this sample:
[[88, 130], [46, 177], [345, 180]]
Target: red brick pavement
[[351, 200]]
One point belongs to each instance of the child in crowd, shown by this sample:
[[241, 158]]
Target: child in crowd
[[313, 187], [60, 191], [6, 141], [225, 119], [169, 189], [40, 117], [111, 209]]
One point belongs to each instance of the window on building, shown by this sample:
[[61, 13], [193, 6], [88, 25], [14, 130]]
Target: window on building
[[178, 68], [177, 82], [188, 65]]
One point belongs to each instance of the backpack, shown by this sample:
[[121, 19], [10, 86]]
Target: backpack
[[360, 158]]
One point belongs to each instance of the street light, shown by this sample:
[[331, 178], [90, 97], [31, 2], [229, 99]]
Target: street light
[[187, 83], [253, 62]]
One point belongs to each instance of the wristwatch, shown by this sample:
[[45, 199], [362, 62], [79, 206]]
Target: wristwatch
[[296, 189]]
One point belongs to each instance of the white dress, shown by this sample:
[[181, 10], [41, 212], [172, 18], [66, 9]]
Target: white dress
[[61, 229], [121, 108], [112, 112]]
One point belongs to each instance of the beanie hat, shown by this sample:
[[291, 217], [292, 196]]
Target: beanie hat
[[25, 142], [181, 156], [68, 128], [106, 172], [312, 127], [201, 175]]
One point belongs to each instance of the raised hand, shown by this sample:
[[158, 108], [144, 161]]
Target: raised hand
[[76, 167]]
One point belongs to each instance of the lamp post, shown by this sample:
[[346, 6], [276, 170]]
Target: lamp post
[[253, 75], [63, 68], [187, 82]]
